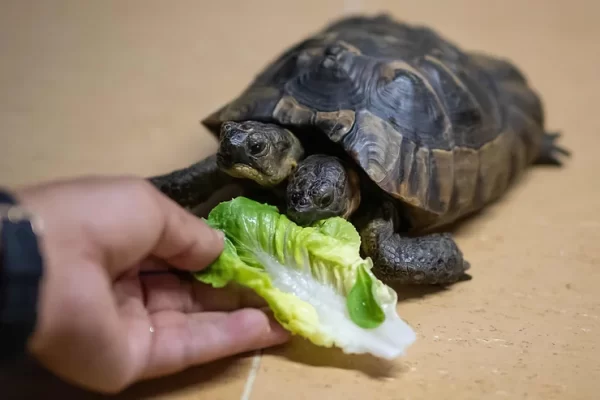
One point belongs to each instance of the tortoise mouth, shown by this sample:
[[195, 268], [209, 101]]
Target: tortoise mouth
[[245, 171], [224, 163], [308, 217]]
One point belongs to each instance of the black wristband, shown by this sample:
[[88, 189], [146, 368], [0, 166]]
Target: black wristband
[[21, 268]]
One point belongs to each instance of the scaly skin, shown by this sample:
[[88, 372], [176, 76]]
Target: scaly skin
[[322, 187], [423, 260], [318, 187], [249, 152], [195, 184], [264, 153]]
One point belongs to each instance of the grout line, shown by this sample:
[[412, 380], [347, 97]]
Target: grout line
[[251, 375]]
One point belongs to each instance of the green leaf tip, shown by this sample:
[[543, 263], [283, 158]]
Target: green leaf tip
[[362, 305]]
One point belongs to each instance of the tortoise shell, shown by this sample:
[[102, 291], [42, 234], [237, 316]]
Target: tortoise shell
[[439, 128]]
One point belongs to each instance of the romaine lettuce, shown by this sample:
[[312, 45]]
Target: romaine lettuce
[[313, 278]]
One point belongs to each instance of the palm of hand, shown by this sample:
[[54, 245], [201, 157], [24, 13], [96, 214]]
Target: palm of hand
[[175, 323]]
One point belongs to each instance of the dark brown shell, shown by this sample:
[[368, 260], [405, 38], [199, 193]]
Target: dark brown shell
[[436, 127]]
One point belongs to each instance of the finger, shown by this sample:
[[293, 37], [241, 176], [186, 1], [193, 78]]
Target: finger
[[168, 292], [119, 221], [185, 241], [231, 297], [180, 342], [153, 264]]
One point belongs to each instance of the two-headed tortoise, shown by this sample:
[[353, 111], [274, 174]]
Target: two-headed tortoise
[[383, 123]]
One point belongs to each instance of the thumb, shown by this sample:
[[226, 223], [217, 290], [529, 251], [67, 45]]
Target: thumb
[[120, 221], [185, 241]]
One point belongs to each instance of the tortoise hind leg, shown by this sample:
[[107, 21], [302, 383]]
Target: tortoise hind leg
[[193, 185], [549, 150], [433, 259]]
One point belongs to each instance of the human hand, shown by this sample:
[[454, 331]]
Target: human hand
[[101, 323]]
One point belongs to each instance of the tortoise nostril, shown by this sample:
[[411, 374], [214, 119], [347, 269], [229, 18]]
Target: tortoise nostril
[[298, 200], [230, 126]]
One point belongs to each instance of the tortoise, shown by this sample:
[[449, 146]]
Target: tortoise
[[386, 124]]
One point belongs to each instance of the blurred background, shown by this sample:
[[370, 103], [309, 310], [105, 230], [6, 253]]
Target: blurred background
[[120, 86]]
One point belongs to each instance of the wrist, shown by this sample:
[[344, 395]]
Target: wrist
[[21, 268]]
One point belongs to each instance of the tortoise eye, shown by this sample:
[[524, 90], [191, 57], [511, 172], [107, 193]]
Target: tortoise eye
[[257, 148], [325, 200]]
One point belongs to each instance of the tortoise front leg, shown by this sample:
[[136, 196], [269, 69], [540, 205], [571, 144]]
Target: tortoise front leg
[[195, 184], [425, 260]]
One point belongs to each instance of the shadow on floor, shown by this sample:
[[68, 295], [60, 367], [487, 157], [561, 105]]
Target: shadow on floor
[[27, 380], [303, 352]]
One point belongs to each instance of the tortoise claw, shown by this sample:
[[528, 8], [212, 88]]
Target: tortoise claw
[[550, 151]]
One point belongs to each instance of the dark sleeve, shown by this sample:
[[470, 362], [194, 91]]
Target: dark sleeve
[[21, 268]]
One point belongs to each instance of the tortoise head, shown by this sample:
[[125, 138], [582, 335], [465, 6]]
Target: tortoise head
[[321, 187], [264, 153]]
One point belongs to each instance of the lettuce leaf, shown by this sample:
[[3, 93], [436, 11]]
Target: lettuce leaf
[[313, 278]]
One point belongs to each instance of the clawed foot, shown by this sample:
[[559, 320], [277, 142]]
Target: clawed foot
[[550, 151], [424, 260]]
